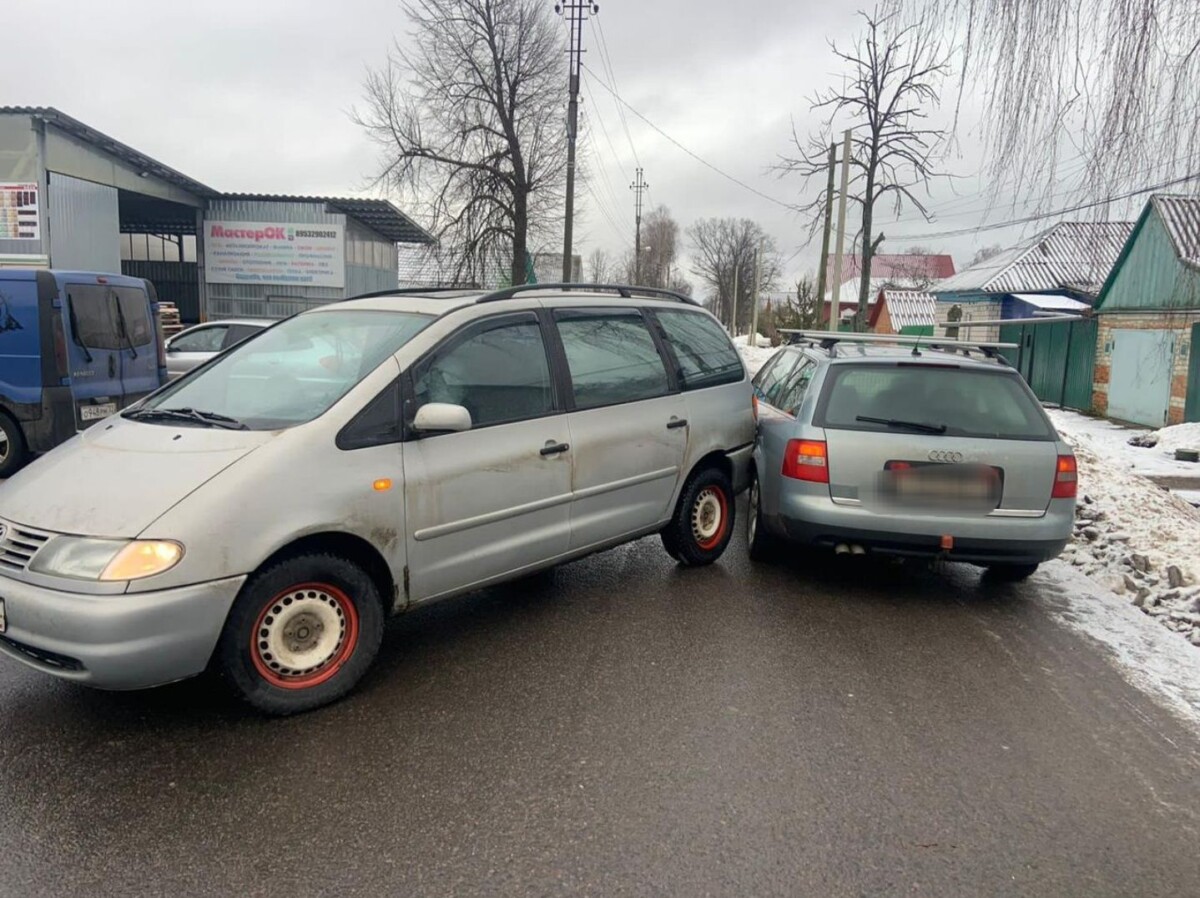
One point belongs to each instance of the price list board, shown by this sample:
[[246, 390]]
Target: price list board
[[20, 214]]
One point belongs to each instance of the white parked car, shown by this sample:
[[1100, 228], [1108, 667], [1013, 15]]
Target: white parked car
[[193, 347]]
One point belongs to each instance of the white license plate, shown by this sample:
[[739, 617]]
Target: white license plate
[[96, 412], [3, 617]]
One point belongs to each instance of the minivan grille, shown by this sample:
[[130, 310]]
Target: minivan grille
[[18, 545]]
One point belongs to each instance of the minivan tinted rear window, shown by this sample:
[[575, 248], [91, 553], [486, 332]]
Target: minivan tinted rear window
[[966, 402]]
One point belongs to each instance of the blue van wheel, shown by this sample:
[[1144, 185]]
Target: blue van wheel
[[13, 452]]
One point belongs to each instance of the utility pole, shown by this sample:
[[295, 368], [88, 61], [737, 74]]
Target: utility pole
[[823, 272], [576, 13], [639, 187], [835, 289], [757, 286]]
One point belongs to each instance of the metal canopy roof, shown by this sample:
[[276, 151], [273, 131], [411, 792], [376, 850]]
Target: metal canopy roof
[[379, 215], [101, 141]]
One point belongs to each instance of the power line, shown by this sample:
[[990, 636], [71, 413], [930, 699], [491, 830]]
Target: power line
[[700, 159], [606, 59], [1029, 219], [608, 139]]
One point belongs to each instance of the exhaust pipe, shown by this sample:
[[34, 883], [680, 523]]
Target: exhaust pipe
[[857, 550], [842, 549]]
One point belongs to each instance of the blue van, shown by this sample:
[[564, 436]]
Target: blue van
[[75, 347]]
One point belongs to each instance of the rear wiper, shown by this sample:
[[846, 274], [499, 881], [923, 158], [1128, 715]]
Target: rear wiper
[[911, 425], [207, 419]]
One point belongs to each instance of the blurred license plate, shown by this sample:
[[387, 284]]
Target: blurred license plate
[[96, 412], [975, 487]]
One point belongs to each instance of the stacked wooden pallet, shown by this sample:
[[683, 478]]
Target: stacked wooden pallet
[[168, 316]]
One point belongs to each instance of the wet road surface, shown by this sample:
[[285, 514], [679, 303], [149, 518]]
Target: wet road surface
[[625, 727]]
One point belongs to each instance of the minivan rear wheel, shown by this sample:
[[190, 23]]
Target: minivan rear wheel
[[13, 454], [301, 634], [702, 524]]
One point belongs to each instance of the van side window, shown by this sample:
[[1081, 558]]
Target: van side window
[[134, 310], [499, 372], [706, 357], [612, 357], [92, 319]]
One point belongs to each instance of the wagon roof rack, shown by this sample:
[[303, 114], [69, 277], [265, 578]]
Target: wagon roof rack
[[625, 291], [830, 339], [412, 291]]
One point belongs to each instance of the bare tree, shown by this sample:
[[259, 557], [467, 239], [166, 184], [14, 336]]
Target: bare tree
[[601, 267], [800, 309], [914, 270], [895, 74], [660, 247], [1116, 83], [469, 120], [986, 252], [721, 246]]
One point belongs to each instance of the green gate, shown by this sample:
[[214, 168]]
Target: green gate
[[1191, 408], [1056, 359]]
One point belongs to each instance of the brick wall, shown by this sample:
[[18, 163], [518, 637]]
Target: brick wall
[[972, 311], [1178, 322]]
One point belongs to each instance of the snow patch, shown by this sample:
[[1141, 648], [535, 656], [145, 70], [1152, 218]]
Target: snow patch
[[1112, 441], [1149, 657], [1177, 436], [754, 356]]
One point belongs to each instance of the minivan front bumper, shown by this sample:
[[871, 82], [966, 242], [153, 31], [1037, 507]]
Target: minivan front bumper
[[127, 641]]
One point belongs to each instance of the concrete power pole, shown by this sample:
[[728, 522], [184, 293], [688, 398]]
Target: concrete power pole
[[835, 288], [576, 13], [639, 187], [823, 272], [733, 313]]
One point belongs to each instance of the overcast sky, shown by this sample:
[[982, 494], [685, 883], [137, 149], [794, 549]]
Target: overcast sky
[[255, 96]]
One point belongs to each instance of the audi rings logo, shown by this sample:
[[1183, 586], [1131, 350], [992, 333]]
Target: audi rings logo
[[945, 456]]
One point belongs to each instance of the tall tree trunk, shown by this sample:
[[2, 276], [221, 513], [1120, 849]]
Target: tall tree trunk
[[868, 251], [520, 237]]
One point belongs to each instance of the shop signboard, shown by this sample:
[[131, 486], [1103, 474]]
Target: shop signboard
[[20, 215], [257, 252]]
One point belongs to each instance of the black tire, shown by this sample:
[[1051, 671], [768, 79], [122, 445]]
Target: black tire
[[14, 454], [1010, 573], [763, 545], [703, 522], [254, 652]]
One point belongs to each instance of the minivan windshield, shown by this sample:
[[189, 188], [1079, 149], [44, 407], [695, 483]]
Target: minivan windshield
[[288, 374], [945, 400]]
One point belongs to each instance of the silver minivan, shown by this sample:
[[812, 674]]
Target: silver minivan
[[264, 513]]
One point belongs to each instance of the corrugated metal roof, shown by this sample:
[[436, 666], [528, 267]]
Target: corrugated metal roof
[[1078, 254], [1181, 216], [910, 266], [378, 215], [100, 141], [907, 308]]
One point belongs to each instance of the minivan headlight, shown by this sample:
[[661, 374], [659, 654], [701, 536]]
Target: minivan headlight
[[81, 558]]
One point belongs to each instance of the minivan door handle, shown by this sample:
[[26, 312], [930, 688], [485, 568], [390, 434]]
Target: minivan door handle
[[553, 448], [676, 423]]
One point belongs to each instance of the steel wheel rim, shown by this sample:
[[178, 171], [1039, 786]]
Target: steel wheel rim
[[710, 517], [304, 635], [4, 444]]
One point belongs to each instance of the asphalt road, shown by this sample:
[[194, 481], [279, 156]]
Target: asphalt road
[[624, 727]]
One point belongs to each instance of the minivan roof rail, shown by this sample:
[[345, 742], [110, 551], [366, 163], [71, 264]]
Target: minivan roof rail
[[411, 291], [625, 291], [830, 339]]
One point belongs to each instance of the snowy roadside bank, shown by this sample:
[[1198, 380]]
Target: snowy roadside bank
[[1131, 535]]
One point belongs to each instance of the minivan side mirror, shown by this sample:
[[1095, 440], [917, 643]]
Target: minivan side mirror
[[441, 417]]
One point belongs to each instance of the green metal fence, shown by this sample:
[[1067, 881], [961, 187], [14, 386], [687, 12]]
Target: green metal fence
[[1056, 360]]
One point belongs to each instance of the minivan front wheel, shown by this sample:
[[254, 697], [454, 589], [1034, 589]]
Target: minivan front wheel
[[301, 634], [702, 524]]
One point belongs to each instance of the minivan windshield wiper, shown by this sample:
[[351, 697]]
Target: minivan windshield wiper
[[191, 415], [911, 425]]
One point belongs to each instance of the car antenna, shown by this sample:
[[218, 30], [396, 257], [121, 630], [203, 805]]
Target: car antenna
[[917, 347]]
